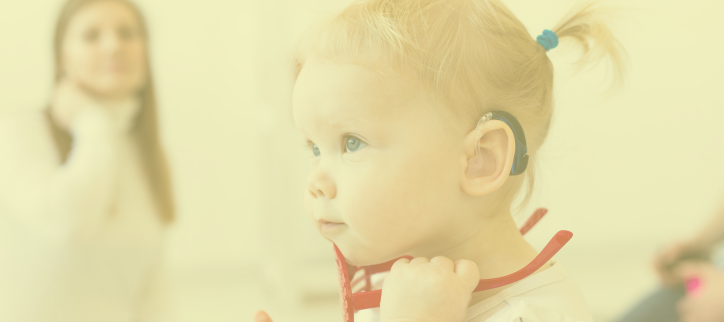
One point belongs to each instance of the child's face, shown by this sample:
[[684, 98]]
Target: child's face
[[386, 165]]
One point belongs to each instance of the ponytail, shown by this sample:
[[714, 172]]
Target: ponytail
[[587, 27]]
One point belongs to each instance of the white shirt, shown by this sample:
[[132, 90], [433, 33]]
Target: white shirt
[[547, 296], [80, 241]]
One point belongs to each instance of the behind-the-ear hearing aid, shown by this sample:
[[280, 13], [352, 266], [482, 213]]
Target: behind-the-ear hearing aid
[[367, 299], [520, 160]]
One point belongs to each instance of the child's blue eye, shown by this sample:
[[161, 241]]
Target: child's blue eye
[[354, 144], [315, 150]]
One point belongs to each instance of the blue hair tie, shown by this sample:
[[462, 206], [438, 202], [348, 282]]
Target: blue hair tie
[[548, 39]]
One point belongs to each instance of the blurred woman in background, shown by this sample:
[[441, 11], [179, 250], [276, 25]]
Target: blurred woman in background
[[85, 193]]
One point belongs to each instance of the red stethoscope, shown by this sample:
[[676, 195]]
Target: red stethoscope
[[367, 299]]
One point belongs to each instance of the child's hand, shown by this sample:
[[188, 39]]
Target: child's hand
[[431, 291]]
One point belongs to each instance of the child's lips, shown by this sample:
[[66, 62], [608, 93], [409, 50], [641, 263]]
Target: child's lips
[[328, 226]]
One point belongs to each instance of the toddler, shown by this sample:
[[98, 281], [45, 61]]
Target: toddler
[[390, 96]]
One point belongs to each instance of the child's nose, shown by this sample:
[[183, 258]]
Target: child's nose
[[320, 185]]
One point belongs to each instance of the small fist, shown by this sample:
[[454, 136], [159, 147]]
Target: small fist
[[428, 290]]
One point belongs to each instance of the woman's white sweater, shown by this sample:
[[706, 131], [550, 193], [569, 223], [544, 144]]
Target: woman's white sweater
[[80, 241]]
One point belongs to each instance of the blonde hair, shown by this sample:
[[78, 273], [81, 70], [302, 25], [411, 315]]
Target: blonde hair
[[474, 55]]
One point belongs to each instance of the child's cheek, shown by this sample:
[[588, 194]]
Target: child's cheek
[[379, 209]]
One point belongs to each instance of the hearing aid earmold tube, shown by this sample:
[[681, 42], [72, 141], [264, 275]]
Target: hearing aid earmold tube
[[479, 135]]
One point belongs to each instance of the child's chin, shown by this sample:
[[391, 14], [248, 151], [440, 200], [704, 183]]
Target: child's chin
[[358, 257]]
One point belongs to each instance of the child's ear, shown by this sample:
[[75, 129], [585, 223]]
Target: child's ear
[[497, 150]]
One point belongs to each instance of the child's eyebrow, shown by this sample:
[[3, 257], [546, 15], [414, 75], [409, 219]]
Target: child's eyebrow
[[346, 123]]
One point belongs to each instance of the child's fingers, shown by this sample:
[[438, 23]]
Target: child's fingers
[[398, 263], [444, 263], [403, 261], [468, 270], [261, 316], [419, 260]]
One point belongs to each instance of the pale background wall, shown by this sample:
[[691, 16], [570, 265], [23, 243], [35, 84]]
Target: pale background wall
[[626, 174]]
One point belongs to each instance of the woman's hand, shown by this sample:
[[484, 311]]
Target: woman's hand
[[705, 301], [431, 291], [667, 260], [69, 100]]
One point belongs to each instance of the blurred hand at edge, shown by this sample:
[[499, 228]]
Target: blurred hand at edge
[[704, 303], [666, 261]]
